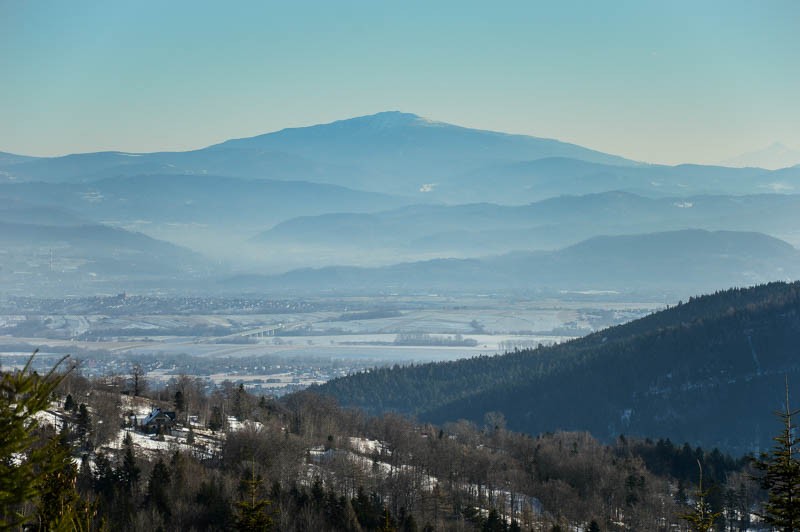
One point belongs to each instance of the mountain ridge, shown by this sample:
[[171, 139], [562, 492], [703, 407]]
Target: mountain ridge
[[479, 229], [382, 146], [683, 261], [704, 371], [404, 154]]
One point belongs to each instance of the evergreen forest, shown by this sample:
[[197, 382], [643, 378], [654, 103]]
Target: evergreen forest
[[703, 371]]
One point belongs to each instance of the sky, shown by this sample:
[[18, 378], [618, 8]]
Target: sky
[[663, 82]]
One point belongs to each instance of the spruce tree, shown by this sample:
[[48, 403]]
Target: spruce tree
[[69, 403], [60, 506], [239, 403], [158, 489], [701, 518], [781, 475], [24, 465], [252, 512], [216, 420], [180, 403], [129, 471], [494, 523], [84, 423]]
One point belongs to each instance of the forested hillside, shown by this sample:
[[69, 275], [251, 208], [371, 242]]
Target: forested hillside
[[704, 371], [78, 454]]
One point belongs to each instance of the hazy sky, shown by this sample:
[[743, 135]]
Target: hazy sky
[[667, 81]]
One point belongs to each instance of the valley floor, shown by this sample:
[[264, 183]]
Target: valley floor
[[305, 343]]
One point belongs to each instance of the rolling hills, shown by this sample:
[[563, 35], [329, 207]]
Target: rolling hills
[[474, 230], [674, 262], [54, 258], [398, 191], [210, 214]]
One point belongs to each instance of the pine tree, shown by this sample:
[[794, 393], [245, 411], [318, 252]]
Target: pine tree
[[69, 403], [60, 506], [239, 403], [24, 465], [158, 488], [215, 422], [129, 471], [215, 506], [701, 518], [83, 423], [253, 510], [105, 478], [781, 475], [85, 479], [179, 401], [494, 523]]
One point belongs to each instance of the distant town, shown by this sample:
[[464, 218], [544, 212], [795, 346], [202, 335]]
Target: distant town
[[276, 346]]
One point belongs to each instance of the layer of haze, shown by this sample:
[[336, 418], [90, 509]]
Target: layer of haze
[[665, 82]]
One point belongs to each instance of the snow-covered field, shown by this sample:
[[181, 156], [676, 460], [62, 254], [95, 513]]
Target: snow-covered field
[[341, 338]]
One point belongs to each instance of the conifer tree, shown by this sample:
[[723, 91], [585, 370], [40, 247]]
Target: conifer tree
[[180, 403], [781, 475], [494, 523], [129, 471], [701, 518], [216, 421], [158, 488], [253, 510], [60, 506], [83, 423], [239, 403], [69, 403], [24, 466], [105, 478], [85, 479]]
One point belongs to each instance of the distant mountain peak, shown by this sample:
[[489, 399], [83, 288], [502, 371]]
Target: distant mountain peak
[[388, 119], [399, 116], [775, 156], [778, 146], [381, 121]]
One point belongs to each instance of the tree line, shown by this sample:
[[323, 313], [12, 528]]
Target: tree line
[[304, 463]]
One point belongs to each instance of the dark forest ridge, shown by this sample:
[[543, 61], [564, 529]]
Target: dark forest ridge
[[704, 371]]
